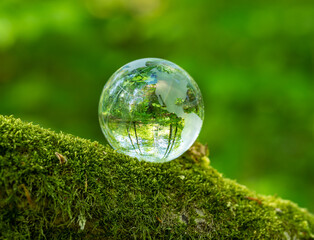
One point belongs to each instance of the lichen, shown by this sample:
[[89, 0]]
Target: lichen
[[101, 194]]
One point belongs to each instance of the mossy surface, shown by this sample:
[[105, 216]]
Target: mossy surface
[[96, 193]]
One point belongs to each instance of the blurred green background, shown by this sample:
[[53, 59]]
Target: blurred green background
[[253, 61]]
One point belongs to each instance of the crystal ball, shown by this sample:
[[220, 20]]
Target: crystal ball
[[151, 109]]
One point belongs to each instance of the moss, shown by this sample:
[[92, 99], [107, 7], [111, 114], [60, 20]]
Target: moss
[[87, 190]]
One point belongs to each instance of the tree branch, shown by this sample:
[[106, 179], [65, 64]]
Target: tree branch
[[98, 193]]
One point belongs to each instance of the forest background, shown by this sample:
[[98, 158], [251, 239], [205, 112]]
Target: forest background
[[253, 62]]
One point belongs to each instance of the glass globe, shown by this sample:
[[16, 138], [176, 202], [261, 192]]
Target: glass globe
[[151, 109]]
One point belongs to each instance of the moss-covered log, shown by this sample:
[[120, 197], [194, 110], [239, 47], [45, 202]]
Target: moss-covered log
[[55, 185]]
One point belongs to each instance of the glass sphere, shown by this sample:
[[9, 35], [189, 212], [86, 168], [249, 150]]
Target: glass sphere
[[151, 109]]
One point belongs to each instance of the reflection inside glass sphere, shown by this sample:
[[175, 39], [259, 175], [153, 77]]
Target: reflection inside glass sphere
[[151, 109]]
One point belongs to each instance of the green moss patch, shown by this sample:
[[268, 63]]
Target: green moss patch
[[89, 191]]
